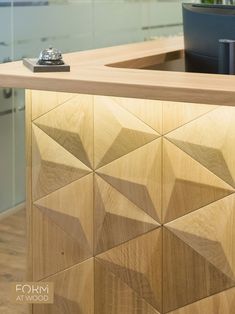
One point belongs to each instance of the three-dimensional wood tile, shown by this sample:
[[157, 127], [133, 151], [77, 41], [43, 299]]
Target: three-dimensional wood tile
[[138, 263], [52, 166], [187, 186], [112, 295], [139, 181], [116, 219], [74, 291], [210, 140], [188, 276], [116, 131], [44, 101], [125, 219]]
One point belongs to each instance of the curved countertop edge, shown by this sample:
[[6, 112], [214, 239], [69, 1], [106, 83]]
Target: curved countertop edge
[[97, 72]]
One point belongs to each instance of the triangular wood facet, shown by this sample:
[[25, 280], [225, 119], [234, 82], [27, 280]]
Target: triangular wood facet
[[148, 111], [67, 125], [117, 132], [113, 296], [187, 276], [74, 291], [50, 244], [210, 140], [53, 166], [138, 263], [220, 303], [71, 208], [188, 186], [138, 177], [116, 218], [44, 101], [176, 114], [211, 231]]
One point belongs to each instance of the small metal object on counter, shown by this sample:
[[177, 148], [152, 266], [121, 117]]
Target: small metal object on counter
[[50, 56], [50, 60], [226, 56]]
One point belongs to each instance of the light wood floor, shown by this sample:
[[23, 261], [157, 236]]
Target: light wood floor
[[12, 259]]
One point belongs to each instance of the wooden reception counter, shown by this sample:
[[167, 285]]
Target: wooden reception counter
[[131, 181]]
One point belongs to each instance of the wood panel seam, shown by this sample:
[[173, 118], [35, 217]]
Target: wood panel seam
[[119, 278], [208, 262], [169, 140], [194, 119], [57, 106]]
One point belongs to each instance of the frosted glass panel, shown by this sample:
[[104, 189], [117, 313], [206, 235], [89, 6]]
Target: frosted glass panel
[[6, 118], [117, 22], [27, 27]]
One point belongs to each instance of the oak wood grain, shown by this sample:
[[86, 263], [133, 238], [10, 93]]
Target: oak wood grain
[[187, 185], [74, 291], [116, 131], [114, 296], [138, 263], [211, 232], [116, 219], [221, 303], [149, 111], [140, 184], [209, 140], [53, 249], [91, 74], [52, 166], [71, 208], [176, 114], [187, 276], [44, 101], [71, 125]]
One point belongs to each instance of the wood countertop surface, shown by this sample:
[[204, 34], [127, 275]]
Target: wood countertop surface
[[118, 71]]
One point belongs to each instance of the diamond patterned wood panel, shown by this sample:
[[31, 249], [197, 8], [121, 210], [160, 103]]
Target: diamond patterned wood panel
[[117, 219], [117, 132], [188, 186], [138, 263], [52, 166], [68, 125], [141, 185], [126, 219], [112, 295], [74, 291]]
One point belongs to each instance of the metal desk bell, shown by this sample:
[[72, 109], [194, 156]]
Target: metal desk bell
[[50, 56]]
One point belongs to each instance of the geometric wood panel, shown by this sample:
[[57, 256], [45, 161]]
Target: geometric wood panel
[[71, 209], [188, 186], [138, 263], [53, 167], [139, 181], [74, 291], [176, 114], [211, 232], [67, 125], [117, 132], [116, 218], [149, 111], [183, 181], [113, 296], [45, 101], [53, 248], [187, 276], [210, 140], [220, 303]]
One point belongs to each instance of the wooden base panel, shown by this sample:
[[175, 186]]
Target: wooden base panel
[[131, 204]]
